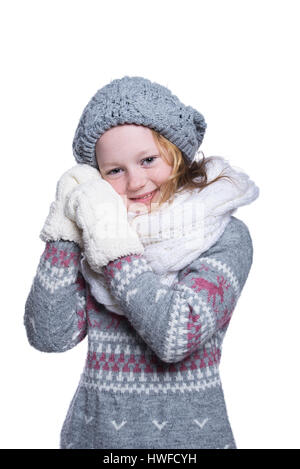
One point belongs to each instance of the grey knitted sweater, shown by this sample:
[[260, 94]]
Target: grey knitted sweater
[[151, 378]]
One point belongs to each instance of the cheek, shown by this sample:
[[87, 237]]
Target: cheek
[[116, 185], [119, 188], [163, 173]]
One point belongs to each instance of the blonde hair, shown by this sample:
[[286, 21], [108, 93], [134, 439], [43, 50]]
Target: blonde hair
[[182, 177]]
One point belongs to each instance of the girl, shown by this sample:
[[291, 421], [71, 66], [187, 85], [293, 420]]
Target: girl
[[143, 255]]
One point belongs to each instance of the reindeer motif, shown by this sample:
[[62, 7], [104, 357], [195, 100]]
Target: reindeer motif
[[224, 316], [212, 289]]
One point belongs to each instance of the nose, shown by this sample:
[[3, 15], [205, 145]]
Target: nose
[[136, 181]]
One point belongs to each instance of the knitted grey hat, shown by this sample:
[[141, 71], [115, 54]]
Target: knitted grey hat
[[136, 100]]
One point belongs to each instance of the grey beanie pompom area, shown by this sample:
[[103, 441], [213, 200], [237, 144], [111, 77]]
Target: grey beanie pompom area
[[137, 100]]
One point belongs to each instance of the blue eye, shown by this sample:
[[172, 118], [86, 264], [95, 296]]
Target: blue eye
[[112, 171], [151, 158]]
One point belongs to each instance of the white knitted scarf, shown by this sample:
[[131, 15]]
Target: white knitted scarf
[[179, 232]]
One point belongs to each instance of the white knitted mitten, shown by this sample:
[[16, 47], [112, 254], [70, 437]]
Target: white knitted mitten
[[102, 215], [57, 226]]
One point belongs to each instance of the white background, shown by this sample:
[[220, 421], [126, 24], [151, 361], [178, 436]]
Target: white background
[[237, 62]]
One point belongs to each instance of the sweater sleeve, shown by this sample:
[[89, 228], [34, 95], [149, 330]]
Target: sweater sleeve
[[175, 321], [55, 309]]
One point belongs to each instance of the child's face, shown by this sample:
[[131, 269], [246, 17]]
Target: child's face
[[129, 160]]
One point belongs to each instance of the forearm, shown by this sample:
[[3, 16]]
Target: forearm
[[176, 321], [55, 318], [164, 317]]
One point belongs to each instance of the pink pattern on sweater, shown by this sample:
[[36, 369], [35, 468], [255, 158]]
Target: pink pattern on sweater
[[212, 289], [61, 258]]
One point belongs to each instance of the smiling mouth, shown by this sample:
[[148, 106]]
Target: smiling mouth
[[145, 197]]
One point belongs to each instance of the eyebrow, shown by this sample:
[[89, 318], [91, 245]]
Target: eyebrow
[[138, 155]]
